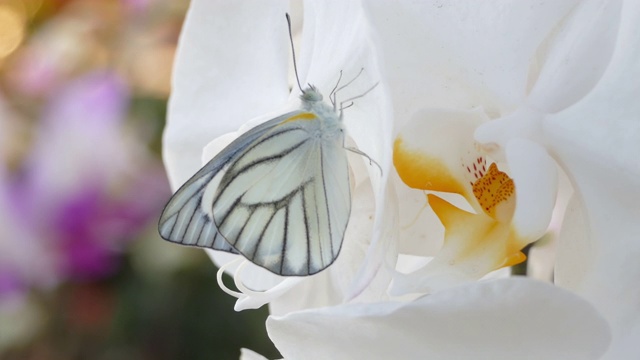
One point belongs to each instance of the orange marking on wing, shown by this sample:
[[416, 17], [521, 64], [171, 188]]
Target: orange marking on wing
[[302, 116]]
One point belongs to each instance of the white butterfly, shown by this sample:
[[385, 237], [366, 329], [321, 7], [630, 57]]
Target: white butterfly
[[279, 194]]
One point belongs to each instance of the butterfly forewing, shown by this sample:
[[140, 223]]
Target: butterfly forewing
[[184, 221], [284, 203]]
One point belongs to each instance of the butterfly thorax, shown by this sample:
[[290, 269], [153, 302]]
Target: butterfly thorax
[[329, 120], [328, 125]]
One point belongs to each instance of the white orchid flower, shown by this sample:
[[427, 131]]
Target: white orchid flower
[[583, 110], [485, 84], [233, 73], [537, 70]]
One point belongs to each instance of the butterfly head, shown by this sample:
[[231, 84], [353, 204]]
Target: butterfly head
[[311, 94]]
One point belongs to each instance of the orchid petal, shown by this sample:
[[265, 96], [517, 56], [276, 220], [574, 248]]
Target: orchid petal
[[565, 76], [247, 354], [421, 232], [226, 72], [435, 151], [578, 56], [340, 27], [605, 181], [606, 252], [576, 249], [596, 141], [527, 320], [474, 245], [494, 135], [255, 299], [541, 258], [457, 55], [535, 175]]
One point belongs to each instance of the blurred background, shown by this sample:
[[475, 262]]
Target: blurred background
[[83, 273]]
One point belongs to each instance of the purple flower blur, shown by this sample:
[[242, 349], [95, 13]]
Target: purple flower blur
[[10, 282], [86, 188]]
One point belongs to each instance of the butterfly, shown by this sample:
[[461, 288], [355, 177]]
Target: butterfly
[[279, 194]]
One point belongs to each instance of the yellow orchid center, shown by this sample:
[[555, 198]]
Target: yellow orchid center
[[474, 243], [495, 193], [421, 171]]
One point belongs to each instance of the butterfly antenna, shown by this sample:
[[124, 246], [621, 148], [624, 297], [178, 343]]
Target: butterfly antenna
[[346, 107], [293, 53], [358, 96], [350, 81], [332, 96]]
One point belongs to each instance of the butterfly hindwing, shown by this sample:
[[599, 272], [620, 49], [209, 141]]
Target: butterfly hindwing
[[186, 219]]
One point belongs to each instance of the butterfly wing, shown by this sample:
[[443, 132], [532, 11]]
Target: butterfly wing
[[285, 202], [280, 197], [186, 219]]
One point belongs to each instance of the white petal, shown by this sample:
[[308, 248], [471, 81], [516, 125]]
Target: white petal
[[502, 319], [494, 135], [535, 176], [421, 232], [597, 141], [578, 55], [372, 278], [337, 38], [603, 126], [332, 42], [231, 66], [601, 263], [247, 354], [253, 276], [453, 54], [576, 250], [256, 299], [541, 259], [436, 151]]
